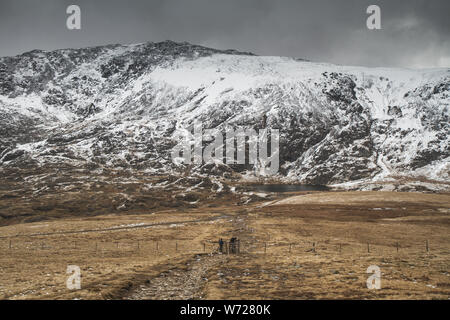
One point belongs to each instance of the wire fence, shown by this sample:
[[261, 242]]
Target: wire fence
[[173, 246]]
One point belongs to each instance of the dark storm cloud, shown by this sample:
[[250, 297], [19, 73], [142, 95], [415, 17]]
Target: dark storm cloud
[[414, 32]]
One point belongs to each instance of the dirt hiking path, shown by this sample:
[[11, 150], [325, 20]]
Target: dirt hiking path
[[188, 283]]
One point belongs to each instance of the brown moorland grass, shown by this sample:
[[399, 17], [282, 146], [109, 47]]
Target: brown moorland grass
[[308, 246], [34, 267]]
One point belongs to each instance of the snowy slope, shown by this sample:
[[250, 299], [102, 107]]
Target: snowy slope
[[119, 106]]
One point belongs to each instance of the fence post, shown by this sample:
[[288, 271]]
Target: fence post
[[10, 245], [314, 247], [138, 246], [265, 247], [427, 246], [368, 248], [157, 246], [397, 246], [204, 247], [176, 246]]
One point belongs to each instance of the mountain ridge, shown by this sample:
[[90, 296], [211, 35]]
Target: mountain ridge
[[118, 106]]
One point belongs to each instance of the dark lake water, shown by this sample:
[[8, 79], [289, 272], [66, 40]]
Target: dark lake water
[[287, 187]]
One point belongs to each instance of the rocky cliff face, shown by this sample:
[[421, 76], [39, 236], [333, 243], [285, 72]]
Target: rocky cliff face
[[118, 106]]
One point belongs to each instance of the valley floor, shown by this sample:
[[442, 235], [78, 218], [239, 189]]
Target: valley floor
[[303, 245]]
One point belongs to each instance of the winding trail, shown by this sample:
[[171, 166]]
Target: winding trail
[[176, 284]]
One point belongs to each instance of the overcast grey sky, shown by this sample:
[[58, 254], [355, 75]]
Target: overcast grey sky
[[415, 33]]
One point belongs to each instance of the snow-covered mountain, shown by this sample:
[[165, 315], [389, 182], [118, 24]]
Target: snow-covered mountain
[[119, 107]]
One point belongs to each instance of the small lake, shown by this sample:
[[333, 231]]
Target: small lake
[[286, 187]]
